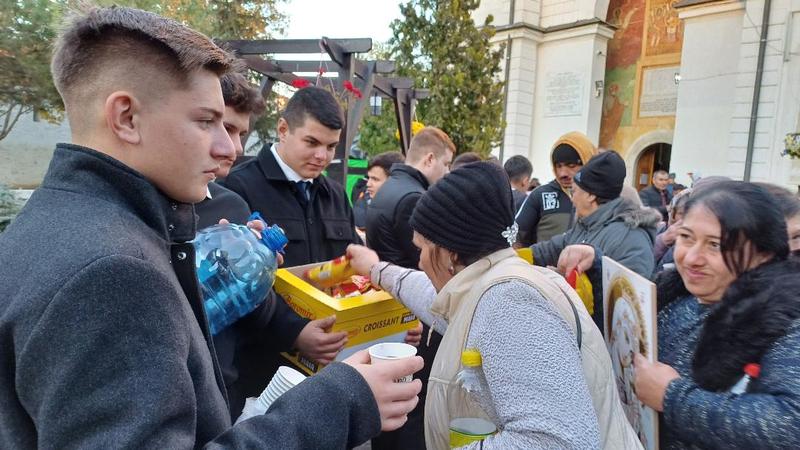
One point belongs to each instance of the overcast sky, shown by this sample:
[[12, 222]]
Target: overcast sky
[[341, 18]]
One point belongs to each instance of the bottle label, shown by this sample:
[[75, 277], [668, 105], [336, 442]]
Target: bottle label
[[466, 430]]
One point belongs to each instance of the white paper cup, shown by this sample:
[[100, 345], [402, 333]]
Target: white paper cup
[[283, 380], [392, 351]]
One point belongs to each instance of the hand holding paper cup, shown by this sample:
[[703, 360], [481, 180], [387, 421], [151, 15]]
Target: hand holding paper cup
[[394, 400], [392, 351]]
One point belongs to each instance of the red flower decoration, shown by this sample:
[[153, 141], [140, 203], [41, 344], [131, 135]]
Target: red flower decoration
[[348, 86], [300, 83], [321, 71]]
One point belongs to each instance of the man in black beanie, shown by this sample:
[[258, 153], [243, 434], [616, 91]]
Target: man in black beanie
[[618, 228], [547, 211]]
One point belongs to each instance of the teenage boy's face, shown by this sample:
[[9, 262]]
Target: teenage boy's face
[[309, 148], [236, 125], [183, 141]]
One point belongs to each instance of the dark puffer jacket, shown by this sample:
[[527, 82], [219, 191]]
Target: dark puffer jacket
[[388, 230]]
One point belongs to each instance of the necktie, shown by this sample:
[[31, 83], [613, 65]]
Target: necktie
[[303, 190], [663, 197]]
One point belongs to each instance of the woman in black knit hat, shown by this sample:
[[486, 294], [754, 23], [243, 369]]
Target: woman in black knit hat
[[526, 330]]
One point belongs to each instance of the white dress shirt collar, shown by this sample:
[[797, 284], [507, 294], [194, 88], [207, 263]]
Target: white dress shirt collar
[[291, 175]]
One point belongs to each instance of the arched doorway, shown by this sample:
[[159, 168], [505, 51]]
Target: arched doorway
[[653, 157]]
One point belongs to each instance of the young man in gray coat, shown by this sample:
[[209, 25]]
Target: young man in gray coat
[[105, 341]]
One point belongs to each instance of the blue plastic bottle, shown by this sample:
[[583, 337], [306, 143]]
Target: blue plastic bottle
[[235, 269]]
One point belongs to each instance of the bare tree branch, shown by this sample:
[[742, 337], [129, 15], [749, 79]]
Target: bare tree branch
[[10, 118]]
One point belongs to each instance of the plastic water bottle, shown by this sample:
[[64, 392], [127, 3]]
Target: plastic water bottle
[[235, 269], [465, 428], [751, 372]]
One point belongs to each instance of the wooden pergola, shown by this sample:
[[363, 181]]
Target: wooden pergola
[[372, 78]]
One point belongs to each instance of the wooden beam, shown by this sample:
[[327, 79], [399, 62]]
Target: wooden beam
[[334, 50], [356, 112], [403, 106], [401, 83], [273, 46], [266, 90], [266, 87], [381, 66], [418, 94], [269, 69], [400, 89], [260, 65], [346, 61]]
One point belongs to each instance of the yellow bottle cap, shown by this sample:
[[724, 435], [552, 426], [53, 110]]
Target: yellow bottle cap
[[471, 357]]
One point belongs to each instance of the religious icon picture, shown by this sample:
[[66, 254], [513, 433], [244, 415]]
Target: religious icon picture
[[629, 302]]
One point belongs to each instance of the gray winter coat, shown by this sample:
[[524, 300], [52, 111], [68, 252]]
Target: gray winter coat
[[620, 229], [104, 338]]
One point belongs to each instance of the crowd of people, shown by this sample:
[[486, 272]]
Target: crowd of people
[[107, 343]]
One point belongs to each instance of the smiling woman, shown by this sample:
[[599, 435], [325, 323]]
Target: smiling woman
[[731, 253]]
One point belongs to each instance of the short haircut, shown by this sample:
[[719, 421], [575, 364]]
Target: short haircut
[[788, 202], [465, 158], [429, 140], [660, 173], [240, 95], [385, 161], [101, 50], [518, 168], [317, 103]]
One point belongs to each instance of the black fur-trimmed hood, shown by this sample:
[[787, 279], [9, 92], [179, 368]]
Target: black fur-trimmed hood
[[756, 310]]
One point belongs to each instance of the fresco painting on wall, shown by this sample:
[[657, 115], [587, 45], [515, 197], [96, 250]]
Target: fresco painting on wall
[[617, 111], [664, 28], [648, 34], [625, 47], [624, 51]]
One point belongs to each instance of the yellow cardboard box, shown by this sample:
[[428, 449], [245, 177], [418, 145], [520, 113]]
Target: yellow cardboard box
[[368, 319]]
